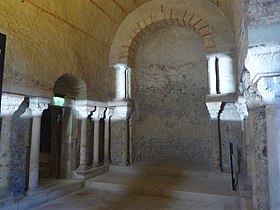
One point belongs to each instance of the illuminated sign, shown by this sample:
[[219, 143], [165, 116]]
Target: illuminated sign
[[58, 101]]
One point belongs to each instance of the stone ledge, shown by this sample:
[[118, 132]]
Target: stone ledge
[[228, 97]]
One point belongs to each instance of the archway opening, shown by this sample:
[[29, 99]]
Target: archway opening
[[59, 136]]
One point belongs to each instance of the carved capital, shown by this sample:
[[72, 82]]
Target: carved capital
[[253, 97], [263, 59], [109, 112], [83, 108], [98, 113], [214, 108], [241, 107], [269, 86], [36, 107], [122, 109], [10, 103]]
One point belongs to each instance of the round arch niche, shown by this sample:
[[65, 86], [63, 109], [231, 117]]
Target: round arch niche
[[70, 86], [169, 85]]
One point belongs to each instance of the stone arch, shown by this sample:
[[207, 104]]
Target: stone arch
[[71, 86], [205, 19]]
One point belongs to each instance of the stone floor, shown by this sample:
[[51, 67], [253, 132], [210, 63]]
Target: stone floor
[[89, 198], [154, 185]]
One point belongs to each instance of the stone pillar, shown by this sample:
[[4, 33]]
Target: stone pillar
[[66, 143], [121, 81], [269, 87], [9, 104], [35, 110], [96, 116], [120, 119], [227, 73], [213, 108], [245, 179], [258, 145], [83, 109], [108, 115], [211, 74]]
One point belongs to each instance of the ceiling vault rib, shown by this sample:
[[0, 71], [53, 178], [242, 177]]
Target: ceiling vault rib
[[102, 10], [120, 7], [68, 23]]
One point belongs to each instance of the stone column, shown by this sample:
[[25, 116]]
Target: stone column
[[35, 110], [108, 115], [213, 108], [120, 119], [83, 109], [121, 83], [211, 74], [9, 104], [246, 175], [96, 116], [269, 87], [258, 145]]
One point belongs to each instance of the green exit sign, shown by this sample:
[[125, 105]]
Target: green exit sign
[[58, 101]]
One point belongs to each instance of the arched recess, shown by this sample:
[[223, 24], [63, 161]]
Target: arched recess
[[71, 86], [58, 131], [204, 18]]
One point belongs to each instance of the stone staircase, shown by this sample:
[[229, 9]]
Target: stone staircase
[[178, 180]]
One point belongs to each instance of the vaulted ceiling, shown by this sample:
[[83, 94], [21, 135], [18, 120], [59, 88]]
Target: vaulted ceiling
[[101, 18]]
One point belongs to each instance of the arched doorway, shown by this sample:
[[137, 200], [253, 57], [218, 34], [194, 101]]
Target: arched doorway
[[59, 136]]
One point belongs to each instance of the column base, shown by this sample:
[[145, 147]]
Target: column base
[[83, 168], [33, 192], [90, 172]]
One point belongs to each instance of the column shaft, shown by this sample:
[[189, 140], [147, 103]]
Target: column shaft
[[106, 140], [214, 136], [273, 151], [34, 156], [83, 146], [96, 143]]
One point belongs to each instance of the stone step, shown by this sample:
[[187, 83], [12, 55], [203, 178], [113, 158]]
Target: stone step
[[171, 172], [49, 191], [194, 188]]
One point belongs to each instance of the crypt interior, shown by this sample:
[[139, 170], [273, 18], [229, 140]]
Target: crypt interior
[[140, 104]]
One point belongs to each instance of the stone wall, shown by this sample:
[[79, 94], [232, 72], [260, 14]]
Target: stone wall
[[47, 39], [169, 85], [14, 152]]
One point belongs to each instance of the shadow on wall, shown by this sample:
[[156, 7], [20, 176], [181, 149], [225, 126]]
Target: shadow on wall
[[19, 147]]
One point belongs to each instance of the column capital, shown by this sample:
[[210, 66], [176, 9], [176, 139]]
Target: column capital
[[83, 108], [109, 112], [253, 97], [36, 107], [241, 107], [122, 109], [263, 59], [269, 86], [10, 103], [98, 113], [214, 108]]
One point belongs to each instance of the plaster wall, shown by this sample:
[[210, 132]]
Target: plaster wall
[[169, 85]]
